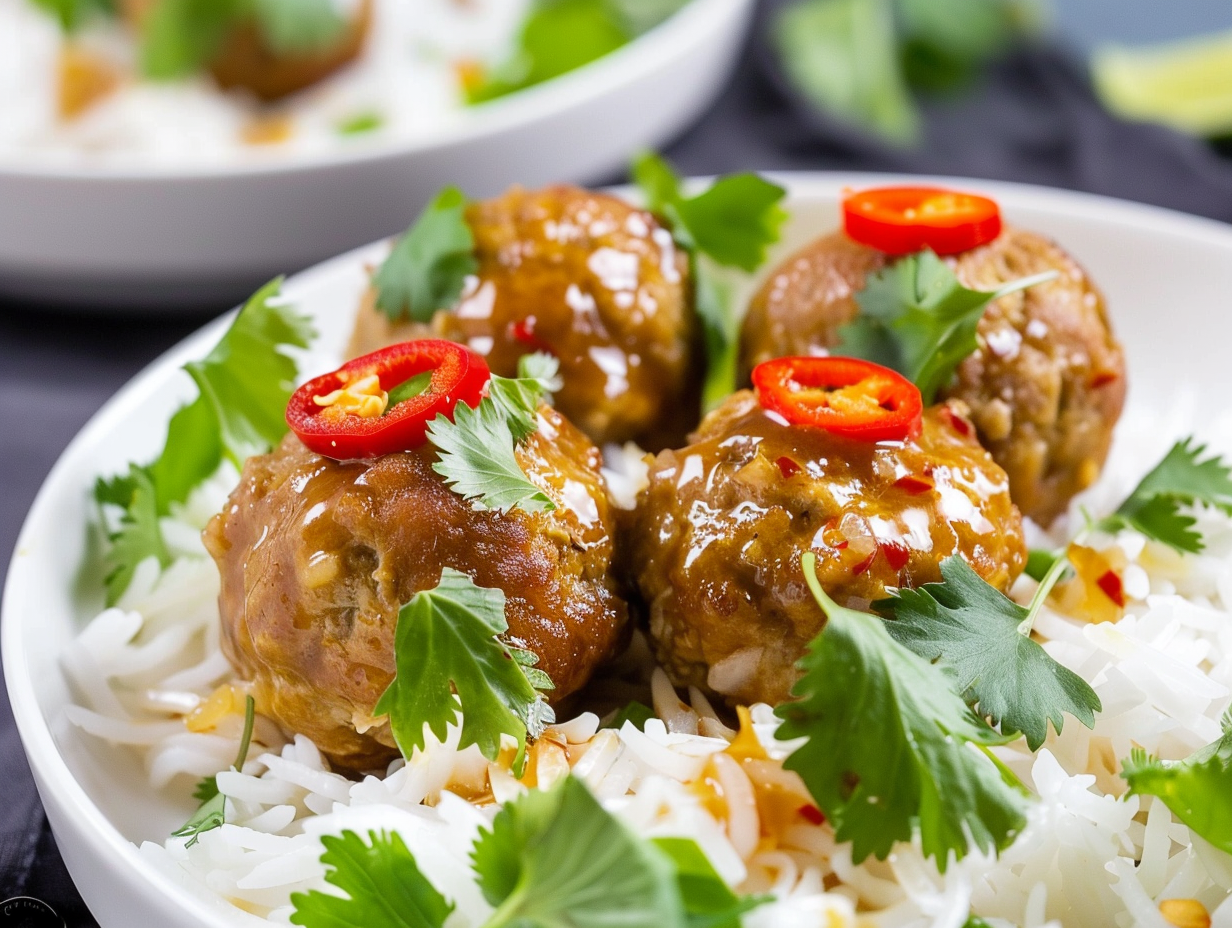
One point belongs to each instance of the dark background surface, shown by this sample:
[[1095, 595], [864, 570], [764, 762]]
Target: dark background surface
[[1033, 120]]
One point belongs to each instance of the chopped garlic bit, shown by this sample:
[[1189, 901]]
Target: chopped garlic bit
[[363, 398]]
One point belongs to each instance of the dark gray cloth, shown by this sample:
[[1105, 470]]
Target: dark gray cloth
[[1034, 120]]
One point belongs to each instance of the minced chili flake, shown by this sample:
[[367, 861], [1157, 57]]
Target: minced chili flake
[[896, 555], [914, 485], [787, 467], [811, 814], [1110, 582]]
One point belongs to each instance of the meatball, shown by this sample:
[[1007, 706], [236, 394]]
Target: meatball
[[1046, 385], [317, 557], [720, 530], [596, 282], [246, 60]]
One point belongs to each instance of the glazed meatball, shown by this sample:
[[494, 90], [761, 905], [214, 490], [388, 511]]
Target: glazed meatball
[[720, 530], [317, 557], [1046, 385], [592, 280]]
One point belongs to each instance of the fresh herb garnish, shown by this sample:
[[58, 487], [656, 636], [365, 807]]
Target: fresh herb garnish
[[361, 123], [1183, 477], [212, 812], [73, 13], [559, 36], [384, 887], [557, 857], [732, 223], [890, 746], [916, 318], [451, 661], [179, 37], [477, 456], [982, 638], [429, 263], [708, 901], [553, 858], [244, 384], [860, 60], [636, 712], [1198, 789]]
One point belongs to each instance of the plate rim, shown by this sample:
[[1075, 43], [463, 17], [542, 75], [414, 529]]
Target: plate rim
[[52, 773]]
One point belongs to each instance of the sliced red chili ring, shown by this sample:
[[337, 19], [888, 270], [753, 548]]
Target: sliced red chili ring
[[458, 375], [902, 220], [847, 397]]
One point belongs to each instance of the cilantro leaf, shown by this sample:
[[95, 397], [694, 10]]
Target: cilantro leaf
[[212, 813], [636, 712], [428, 265], [708, 901], [292, 27], [730, 224], [733, 221], [890, 746], [477, 458], [557, 36], [73, 13], [179, 36], [247, 379], [138, 535], [916, 318], [1182, 477], [1198, 789], [558, 858], [968, 628], [518, 399], [384, 887], [450, 660], [244, 383], [842, 55]]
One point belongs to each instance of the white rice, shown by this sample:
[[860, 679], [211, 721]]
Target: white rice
[[1087, 856], [406, 76]]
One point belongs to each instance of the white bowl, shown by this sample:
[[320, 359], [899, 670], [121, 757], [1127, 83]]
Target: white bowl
[[202, 236], [1166, 276]]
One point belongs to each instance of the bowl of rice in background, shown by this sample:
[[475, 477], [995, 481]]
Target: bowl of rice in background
[[115, 790], [153, 209]]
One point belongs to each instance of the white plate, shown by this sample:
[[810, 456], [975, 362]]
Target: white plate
[[1167, 277], [171, 238]]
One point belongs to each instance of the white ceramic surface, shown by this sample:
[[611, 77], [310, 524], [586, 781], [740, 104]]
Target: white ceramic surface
[[170, 239], [1167, 277]]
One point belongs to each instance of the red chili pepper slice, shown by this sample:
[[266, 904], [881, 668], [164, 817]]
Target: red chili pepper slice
[[458, 375], [900, 220], [845, 396], [1110, 582]]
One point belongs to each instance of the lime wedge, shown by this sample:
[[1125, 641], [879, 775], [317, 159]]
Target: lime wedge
[[1186, 85]]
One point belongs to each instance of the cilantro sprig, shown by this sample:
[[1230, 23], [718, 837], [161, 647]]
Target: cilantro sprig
[[916, 318], [982, 638], [476, 448], [244, 384], [1198, 789], [429, 263], [559, 36], [552, 859], [890, 747], [212, 813], [1183, 477], [451, 661], [730, 224], [383, 885]]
